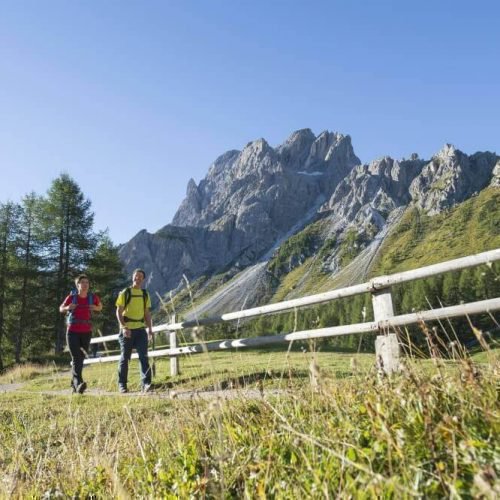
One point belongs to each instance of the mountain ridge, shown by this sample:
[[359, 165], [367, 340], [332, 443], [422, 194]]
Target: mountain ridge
[[253, 199]]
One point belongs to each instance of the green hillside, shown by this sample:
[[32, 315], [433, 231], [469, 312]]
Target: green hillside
[[420, 240]]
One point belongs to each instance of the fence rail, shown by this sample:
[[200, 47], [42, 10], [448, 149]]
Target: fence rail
[[385, 319]]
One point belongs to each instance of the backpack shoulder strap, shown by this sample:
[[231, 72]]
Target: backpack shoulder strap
[[90, 299], [128, 295], [145, 297]]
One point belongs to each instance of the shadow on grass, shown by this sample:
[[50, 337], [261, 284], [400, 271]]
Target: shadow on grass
[[225, 381]]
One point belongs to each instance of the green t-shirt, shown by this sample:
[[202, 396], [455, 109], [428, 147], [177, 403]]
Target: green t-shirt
[[135, 307]]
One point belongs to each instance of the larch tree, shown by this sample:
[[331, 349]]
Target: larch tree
[[9, 213]]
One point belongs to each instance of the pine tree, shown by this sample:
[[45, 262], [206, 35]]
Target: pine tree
[[9, 213], [29, 277], [466, 285], [450, 291]]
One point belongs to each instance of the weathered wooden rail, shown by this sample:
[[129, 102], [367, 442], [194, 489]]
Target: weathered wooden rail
[[386, 345]]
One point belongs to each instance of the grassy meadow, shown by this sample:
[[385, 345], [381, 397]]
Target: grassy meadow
[[314, 425]]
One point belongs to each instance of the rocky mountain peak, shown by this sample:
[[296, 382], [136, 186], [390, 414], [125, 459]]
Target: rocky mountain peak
[[450, 178], [222, 162], [191, 187], [295, 150], [255, 150], [249, 199], [324, 144], [255, 158], [301, 137], [447, 151]]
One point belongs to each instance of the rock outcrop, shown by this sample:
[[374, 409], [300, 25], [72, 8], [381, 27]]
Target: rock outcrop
[[450, 178], [371, 192]]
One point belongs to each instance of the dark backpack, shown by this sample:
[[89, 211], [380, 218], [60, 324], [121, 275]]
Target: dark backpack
[[128, 297], [71, 320]]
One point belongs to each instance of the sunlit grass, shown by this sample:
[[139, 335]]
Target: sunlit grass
[[316, 424], [428, 432]]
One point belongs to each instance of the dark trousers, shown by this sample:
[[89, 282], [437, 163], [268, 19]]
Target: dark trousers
[[78, 344], [138, 341]]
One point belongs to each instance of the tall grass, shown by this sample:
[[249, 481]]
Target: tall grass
[[26, 371], [430, 431]]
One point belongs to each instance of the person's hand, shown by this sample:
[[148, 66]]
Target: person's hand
[[126, 332], [71, 306], [150, 335]]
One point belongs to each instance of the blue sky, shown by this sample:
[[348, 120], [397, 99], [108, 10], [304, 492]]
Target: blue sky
[[133, 98]]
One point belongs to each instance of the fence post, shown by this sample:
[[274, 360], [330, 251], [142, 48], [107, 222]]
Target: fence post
[[174, 360], [386, 346]]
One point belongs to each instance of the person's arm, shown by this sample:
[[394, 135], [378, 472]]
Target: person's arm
[[97, 305], [67, 306], [149, 323], [121, 321], [147, 317]]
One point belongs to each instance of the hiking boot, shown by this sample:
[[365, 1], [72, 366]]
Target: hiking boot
[[147, 388], [81, 388], [123, 389]]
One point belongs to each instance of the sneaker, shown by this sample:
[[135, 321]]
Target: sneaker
[[122, 389], [81, 388], [147, 388]]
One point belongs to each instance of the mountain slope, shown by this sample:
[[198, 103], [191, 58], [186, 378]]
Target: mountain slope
[[411, 239]]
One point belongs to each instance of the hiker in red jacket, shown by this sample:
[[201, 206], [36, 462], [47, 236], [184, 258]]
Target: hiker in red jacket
[[79, 306]]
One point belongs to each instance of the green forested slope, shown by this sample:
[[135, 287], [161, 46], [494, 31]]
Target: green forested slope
[[420, 240]]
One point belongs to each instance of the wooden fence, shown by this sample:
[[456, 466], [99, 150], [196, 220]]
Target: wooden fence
[[386, 344]]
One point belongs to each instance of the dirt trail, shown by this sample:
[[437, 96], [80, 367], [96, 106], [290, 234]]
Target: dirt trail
[[226, 394], [10, 387]]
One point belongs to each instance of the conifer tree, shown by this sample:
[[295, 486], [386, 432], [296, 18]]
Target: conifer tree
[[29, 277], [451, 292], [9, 213]]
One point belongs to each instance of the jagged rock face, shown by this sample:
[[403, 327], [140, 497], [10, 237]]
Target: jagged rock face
[[450, 178], [172, 253], [247, 201], [371, 192], [495, 179]]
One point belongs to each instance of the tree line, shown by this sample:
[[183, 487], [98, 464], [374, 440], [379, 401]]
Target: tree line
[[45, 241]]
